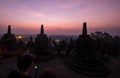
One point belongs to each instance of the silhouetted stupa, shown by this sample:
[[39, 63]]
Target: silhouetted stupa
[[30, 43], [9, 41], [42, 47], [83, 58]]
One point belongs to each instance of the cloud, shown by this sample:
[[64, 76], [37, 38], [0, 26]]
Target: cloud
[[63, 15]]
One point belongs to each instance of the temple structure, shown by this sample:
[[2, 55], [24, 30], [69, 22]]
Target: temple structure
[[42, 48], [83, 57], [9, 41], [30, 43]]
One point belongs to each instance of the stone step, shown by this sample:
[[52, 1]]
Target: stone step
[[86, 71]]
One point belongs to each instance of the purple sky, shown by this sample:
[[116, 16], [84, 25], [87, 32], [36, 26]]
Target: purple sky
[[60, 16]]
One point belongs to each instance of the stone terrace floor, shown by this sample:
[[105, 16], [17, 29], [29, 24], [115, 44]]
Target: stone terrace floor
[[9, 64]]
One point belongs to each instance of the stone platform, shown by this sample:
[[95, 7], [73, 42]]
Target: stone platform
[[9, 64]]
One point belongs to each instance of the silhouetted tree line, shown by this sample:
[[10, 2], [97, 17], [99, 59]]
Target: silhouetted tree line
[[105, 44]]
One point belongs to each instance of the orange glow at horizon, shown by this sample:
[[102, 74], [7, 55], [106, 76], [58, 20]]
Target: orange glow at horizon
[[59, 16]]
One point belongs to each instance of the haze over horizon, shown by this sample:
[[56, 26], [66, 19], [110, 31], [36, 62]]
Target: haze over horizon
[[60, 16]]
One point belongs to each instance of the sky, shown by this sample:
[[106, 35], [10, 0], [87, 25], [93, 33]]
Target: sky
[[60, 16]]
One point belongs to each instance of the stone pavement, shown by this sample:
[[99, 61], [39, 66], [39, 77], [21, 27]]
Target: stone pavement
[[9, 64]]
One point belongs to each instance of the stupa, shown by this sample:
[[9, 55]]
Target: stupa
[[42, 46], [9, 41], [83, 58]]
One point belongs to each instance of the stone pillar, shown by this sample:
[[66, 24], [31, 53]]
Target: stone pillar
[[42, 30], [84, 31], [9, 29]]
